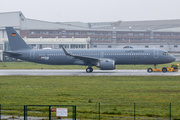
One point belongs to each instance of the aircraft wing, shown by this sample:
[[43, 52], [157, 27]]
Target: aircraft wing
[[86, 59]]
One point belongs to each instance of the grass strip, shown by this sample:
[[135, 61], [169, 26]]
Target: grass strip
[[116, 94]]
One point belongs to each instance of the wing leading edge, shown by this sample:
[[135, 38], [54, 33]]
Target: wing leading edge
[[86, 59]]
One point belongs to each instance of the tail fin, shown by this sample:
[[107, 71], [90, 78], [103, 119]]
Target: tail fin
[[15, 41]]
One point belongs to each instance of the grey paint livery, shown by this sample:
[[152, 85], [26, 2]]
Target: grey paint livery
[[105, 59]]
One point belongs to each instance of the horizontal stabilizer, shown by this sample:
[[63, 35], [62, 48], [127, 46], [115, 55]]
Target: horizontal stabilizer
[[12, 53]]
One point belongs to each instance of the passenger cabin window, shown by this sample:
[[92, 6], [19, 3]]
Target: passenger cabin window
[[127, 47], [161, 45], [165, 53], [175, 45]]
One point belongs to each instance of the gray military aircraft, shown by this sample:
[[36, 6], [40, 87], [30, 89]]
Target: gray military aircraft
[[105, 59]]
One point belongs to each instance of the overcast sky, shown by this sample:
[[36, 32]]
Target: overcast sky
[[94, 10]]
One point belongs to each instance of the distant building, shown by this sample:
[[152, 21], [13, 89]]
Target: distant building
[[163, 34]]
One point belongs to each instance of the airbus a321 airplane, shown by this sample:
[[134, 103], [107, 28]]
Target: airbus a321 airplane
[[105, 59]]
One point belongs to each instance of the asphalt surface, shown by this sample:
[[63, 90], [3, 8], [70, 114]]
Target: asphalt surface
[[48, 72]]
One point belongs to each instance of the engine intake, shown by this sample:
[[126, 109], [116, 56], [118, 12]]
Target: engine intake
[[107, 65]]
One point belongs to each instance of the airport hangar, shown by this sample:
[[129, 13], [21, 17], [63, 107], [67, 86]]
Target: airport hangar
[[161, 34]]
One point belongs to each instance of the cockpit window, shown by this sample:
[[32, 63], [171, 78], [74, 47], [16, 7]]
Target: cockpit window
[[165, 53]]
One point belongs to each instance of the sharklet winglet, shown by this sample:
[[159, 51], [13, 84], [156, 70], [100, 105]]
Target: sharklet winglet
[[65, 51]]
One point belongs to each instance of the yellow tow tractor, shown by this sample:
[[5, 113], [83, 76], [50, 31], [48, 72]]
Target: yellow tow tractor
[[173, 68]]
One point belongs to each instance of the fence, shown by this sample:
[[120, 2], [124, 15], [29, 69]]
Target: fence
[[73, 110], [130, 111]]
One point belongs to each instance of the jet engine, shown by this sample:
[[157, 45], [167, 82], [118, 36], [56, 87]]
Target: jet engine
[[106, 65]]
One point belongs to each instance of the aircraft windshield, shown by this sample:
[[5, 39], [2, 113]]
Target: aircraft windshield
[[165, 53]]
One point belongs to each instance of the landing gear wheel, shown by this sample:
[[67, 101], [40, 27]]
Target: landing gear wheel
[[88, 70], [149, 70], [91, 69], [164, 70]]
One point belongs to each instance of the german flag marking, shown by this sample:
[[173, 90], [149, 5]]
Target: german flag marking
[[13, 34]]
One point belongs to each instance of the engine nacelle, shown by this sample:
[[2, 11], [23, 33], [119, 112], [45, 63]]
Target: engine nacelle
[[107, 65]]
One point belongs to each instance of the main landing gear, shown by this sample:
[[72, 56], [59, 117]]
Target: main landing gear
[[88, 70]]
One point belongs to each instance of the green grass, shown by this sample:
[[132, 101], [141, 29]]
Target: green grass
[[116, 95], [29, 65]]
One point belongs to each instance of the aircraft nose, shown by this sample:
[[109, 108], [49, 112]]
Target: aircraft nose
[[173, 58]]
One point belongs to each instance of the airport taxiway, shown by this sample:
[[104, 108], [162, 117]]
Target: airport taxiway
[[48, 72]]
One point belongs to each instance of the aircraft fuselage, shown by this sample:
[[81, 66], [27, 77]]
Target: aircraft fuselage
[[120, 56], [105, 59]]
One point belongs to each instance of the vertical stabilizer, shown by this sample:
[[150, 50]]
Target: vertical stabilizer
[[15, 41]]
